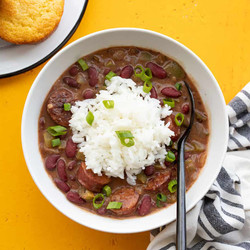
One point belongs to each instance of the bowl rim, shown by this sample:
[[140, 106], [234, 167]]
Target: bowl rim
[[68, 47]]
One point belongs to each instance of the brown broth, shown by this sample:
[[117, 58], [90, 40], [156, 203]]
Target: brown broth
[[115, 59]]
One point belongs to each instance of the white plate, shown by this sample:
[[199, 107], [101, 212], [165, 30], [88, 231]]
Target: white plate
[[16, 59]]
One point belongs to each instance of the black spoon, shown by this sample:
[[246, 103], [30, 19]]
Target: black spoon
[[181, 186]]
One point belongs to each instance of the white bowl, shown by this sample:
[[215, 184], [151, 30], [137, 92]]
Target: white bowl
[[209, 91]]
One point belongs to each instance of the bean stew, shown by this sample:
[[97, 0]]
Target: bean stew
[[156, 184]]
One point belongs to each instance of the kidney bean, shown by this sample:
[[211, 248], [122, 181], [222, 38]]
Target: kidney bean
[[71, 82], [149, 170], [153, 93], [171, 92], [62, 185], [157, 70], [71, 165], [93, 76], [74, 197], [61, 170], [70, 149], [50, 161], [185, 108], [127, 71], [101, 210], [73, 70], [88, 94], [145, 206]]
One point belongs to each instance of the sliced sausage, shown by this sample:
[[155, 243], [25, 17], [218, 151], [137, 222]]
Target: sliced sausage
[[55, 106], [128, 197], [91, 181], [159, 181], [176, 129]]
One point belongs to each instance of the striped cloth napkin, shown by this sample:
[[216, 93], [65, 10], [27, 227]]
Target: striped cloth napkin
[[223, 216]]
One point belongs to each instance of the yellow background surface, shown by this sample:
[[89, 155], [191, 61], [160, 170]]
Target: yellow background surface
[[217, 31]]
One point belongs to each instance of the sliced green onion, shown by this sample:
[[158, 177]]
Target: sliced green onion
[[98, 205], [106, 190], [83, 64], [179, 118], [172, 186], [125, 137], [147, 86], [109, 104], [144, 74], [110, 75], [178, 86], [170, 157], [170, 102], [90, 118], [114, 205], [141, 72], [67, 106], [124, 134], [128, 142], [55, 142], [57, 130], [161, 197], [147, 75]]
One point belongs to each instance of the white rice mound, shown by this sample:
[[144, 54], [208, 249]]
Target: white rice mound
[[133, 110]]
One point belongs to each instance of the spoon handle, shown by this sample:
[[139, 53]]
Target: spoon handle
[[181, 200]]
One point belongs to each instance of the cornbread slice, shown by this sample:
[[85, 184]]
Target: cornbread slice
[[29, 21]]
